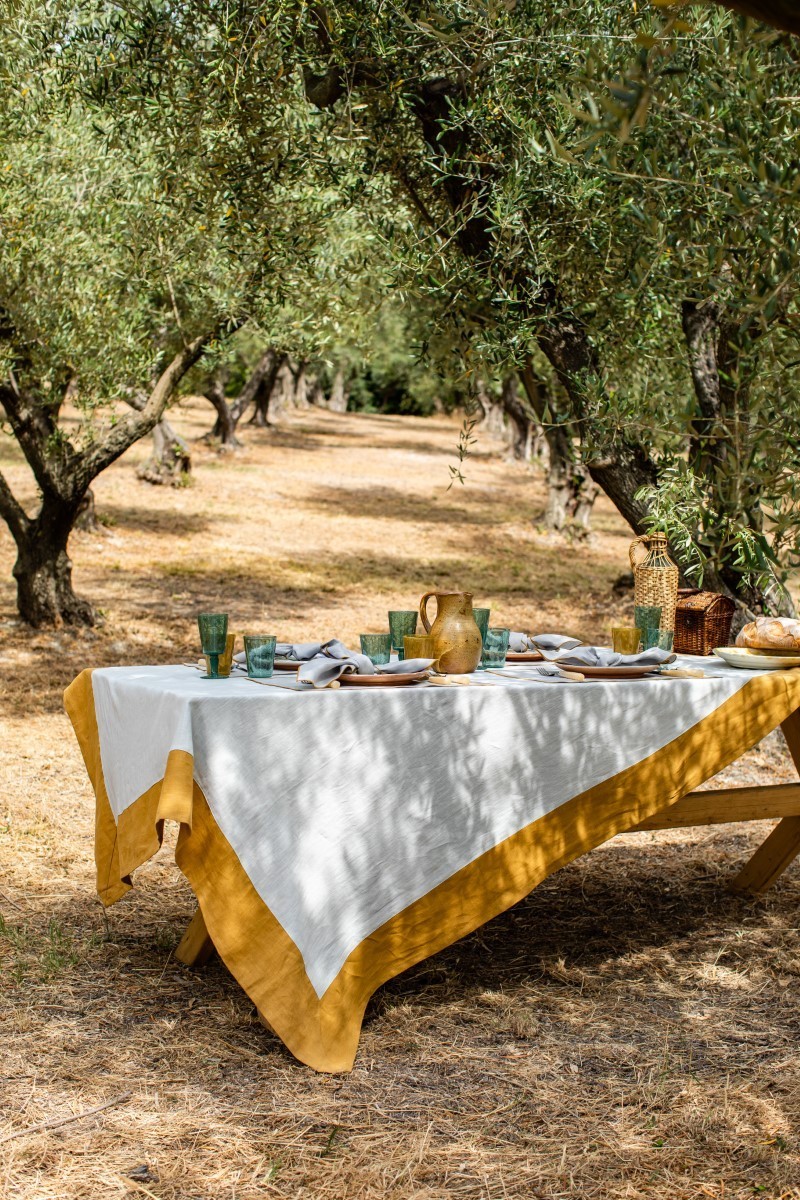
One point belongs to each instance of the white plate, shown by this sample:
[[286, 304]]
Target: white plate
[[754, 660]]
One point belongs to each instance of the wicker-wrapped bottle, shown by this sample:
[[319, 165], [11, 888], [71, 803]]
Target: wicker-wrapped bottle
[[655, 576]]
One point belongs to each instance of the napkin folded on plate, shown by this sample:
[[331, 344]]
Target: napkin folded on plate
[[336, 660], [548, 644], [294, 650], [603, 656]]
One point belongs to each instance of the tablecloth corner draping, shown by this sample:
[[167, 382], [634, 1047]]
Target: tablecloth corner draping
[[324, 1031]]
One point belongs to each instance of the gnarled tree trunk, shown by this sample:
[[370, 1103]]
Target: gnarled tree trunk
[[224, 430], [258, 388], [302, 385], [571, 492], [723, 358], [340, 392], [86, 518], [270, 391], [171, 460], [525, 429], [43, 569]]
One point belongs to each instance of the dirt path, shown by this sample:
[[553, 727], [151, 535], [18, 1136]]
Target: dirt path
[[628, 1030]]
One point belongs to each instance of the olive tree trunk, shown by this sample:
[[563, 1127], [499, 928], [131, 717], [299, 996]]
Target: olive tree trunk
[[224, 431], [63, 473], [571, 491], [43, 570], [269, 394], [723, 358], [171, 460]]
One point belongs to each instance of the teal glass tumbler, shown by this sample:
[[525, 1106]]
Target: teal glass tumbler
[[647, 616], [662, 639], [495, 648], [260, 655], [377, 647], [213, 628], [481, 616], [402, 624]]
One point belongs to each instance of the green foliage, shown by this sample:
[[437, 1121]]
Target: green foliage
[[601, 162], [387, 369], [461, 175], [124, 232]]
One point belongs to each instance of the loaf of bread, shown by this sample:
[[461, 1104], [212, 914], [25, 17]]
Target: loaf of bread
[[770, 633]]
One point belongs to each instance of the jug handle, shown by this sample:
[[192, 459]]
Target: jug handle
[[422, 610], [635, 552]]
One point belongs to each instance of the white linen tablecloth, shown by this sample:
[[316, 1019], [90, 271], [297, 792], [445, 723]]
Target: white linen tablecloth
[[344, 807]]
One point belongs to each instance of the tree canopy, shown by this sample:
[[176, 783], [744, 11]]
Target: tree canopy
[[600, 198]]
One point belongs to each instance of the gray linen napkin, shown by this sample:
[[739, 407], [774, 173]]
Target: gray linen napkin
[[294, 650], [333, 660], [409, 666], [548, 644], [602, 656], [336, 660]]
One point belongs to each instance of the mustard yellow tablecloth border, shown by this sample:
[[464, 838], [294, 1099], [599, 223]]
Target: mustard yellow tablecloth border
[[267, 964]]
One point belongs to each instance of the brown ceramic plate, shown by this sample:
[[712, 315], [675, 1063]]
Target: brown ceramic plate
[[526, 656], [353, 680], [287, 664], [611, 672]]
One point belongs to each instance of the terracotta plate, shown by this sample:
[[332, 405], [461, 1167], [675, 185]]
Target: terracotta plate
[[527, 656], [623, 672], [382, 680], [287, 664]]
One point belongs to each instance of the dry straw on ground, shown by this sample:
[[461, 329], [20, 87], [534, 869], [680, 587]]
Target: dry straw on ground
[[629, 1030]]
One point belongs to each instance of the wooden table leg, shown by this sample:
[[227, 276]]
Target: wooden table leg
[[771, 858], [195, 947], [783, 844]]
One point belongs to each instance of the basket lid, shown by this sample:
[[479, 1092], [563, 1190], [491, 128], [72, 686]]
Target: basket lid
[[704, 602]]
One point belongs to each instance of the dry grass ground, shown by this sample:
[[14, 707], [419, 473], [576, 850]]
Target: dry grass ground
[[629, 1030]]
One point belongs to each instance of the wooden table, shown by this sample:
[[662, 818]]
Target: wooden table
[[321, 1024]]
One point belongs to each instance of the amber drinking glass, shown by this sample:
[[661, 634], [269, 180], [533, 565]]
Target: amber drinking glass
[[626, 639]]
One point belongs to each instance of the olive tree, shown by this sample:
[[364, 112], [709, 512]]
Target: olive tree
[[604, 221], [126, 253]]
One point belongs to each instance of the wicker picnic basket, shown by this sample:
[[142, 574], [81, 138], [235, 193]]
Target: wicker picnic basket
[[702, 621], [655, 576]]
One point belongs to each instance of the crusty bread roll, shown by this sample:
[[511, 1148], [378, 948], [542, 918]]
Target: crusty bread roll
[[770, 633]]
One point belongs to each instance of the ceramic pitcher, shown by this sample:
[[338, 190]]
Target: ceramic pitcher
[[457, 638]]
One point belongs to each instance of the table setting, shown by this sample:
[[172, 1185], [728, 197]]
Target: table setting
[[447, 766], [459, 645]]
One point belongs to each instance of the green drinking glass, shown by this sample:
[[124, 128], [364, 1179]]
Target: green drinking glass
[[647, 616], [660, 638], [481, 616], [377, 647], [213, 629], [402, 624], [260, 655], [495, 648]]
